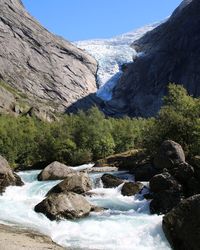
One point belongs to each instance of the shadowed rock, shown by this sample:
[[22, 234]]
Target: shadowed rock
[[181, 225], [162, 182], [182, 172], [7, 177], [164, 201]]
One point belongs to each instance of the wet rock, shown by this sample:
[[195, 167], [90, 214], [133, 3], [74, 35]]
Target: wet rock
[[7, 176], [130, 188], [66, 205], [111, 181], [181, 225], [55, 171], [164, 201], [169, 155], [162, 182], [74, 182]]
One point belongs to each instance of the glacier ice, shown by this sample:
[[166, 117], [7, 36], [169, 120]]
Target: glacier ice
[[111, 54]]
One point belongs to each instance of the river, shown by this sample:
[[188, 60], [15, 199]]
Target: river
[[126, 224]]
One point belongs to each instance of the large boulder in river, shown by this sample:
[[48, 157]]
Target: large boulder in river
[[130, 188], [111, 181], [162, 182], [181, 225], [169, 155], [7, 177], [66, 205], [77, 182], [164, 201], [55, 171]]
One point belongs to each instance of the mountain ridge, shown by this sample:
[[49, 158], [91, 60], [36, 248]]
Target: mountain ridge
[[50, 71], [170, 53]]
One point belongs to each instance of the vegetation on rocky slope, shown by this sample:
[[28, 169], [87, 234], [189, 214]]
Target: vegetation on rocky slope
[[83, 137]]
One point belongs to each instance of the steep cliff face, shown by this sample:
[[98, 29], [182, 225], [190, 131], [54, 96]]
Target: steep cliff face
[[47, 70], [170, 53]]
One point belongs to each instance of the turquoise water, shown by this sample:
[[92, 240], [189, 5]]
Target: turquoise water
[[125, 225]]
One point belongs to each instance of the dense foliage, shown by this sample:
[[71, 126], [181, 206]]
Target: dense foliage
[[84, 137], [74, 139], [178, 120]]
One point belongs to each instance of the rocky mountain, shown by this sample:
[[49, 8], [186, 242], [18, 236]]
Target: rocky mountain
[[169, 53], [39, 70]]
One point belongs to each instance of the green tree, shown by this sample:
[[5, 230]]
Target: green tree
[[177, 120]]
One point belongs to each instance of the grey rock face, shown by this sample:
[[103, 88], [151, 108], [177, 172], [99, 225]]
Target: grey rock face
[[170, 53], [7, 177], [55, 171], [64, 205], [75, 182], [42, 66]]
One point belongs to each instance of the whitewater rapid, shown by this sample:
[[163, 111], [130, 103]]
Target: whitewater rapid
[[126, 225]]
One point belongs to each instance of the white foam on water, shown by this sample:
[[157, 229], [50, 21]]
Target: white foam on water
[[125, 225]]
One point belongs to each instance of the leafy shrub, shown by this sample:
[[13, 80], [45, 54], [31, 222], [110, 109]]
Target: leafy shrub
[[178, 120], [75, 139], [88, 136]]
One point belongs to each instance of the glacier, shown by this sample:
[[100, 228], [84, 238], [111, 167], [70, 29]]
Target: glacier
[[111, 54]]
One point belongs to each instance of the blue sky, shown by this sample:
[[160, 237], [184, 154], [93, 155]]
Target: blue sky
[[86, 19]]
